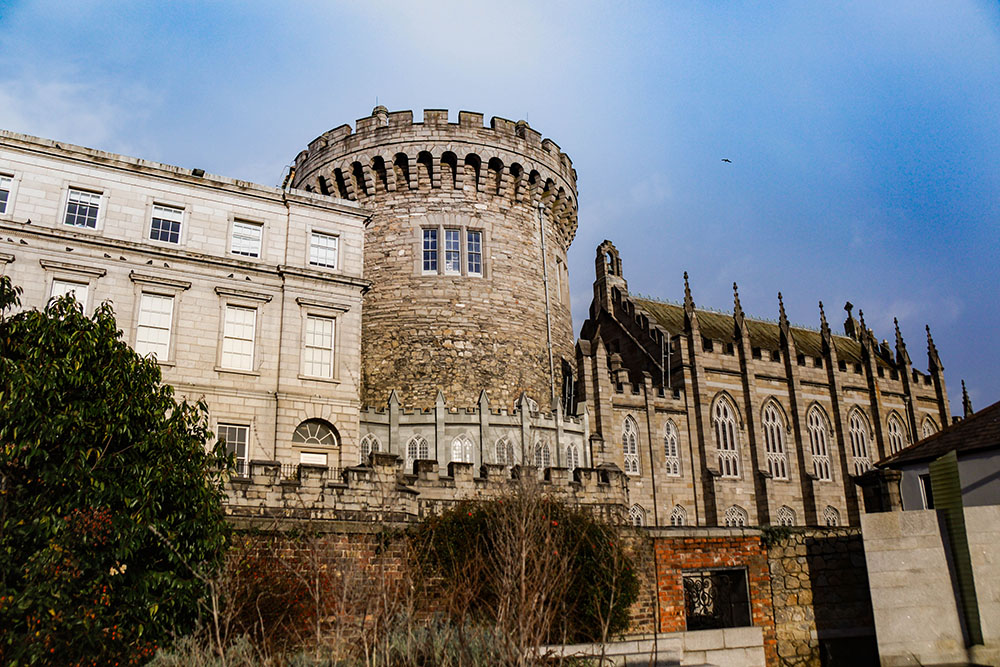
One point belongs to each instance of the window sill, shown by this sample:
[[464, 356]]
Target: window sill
[[166, 363], [236, 371], [314, 378]]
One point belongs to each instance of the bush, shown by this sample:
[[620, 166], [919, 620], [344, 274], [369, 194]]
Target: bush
[[110, 505]]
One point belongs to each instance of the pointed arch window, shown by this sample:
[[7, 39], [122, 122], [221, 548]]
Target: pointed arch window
[[724, 423], [897, 435], [637, 516], [543, 456], [786, 516], [504, 452], [736, 516], [678, 516], [819, 443], [774, 442], [831, 516], [369, 445], [928, 428], [416, 449], [461, 449], [858, 427], [630, 445], [671, 450], [572, 457]]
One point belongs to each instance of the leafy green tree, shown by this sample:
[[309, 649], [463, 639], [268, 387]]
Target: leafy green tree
[[110, 503]]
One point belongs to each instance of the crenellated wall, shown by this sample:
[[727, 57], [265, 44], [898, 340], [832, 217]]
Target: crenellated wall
[[453, 327]]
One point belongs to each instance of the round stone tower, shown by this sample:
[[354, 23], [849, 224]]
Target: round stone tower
[[468, 226]]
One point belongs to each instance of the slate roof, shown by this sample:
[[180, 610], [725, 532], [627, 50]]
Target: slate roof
[[763, 334], [978, 431]]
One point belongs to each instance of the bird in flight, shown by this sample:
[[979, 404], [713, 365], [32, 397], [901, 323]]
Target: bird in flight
[[725, 159]]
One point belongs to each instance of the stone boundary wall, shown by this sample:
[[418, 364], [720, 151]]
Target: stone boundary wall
[[822, 604]]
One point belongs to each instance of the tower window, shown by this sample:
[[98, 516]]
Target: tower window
[[474, 243], [463, 251], [430, 251], [452, 252]]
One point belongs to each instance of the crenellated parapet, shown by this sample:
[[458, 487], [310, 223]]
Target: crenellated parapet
[[388, 152], [382, 490]]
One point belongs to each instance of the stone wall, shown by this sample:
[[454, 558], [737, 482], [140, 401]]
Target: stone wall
[[822, 606]]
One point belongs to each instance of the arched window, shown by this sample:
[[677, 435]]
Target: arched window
[[504, 451], [461, 449], [369, 444], [736, 516], [786, 516], [315, 433], [724, 422], [897, 436], [774, 442], [630, 445], [416, 449], [831, 516], [678, 516], [859, 442], [928, 428], [543, 457], [671, 451], [572, 457], [819, 437], [637, 516]]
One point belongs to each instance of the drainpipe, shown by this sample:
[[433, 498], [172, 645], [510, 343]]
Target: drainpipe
[[548, 317]]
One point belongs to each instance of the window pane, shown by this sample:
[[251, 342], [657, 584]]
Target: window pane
[[236, 437], [82, 208], [166, 224], [317, 356], [323, 250], [5, 183], [78, 290], [452, 251], [153, 333], [430, 251], [474, 243], [238, 338], [246, 239]]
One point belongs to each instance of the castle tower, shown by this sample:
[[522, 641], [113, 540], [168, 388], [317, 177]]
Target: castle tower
[[465, 250]]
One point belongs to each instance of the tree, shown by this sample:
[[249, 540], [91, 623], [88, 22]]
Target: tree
[[110, 503]]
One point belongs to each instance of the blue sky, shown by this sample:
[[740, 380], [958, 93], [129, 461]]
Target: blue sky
[[864, 136]]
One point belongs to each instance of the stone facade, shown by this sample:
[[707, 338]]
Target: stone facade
[[460, 322], [725, 419], [197, 280]]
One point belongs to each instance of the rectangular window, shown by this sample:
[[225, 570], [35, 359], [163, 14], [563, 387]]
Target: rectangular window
[[474, 251], [925, 491], [152, 335], [716, 599], [166, 225], [452, 252], [323, 250], [246, 238], [318, 354], [77, 290], [5, 186], [430, 251], [238, 338], [236, 436], [82, 208]]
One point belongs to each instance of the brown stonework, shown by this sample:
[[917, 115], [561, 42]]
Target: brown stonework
[[429, 331]]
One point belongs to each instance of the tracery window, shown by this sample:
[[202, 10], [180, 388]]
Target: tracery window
[[724, 421], [572, 457], [416, 449], [671, 452], [774, 442], [736, 516], [678, 516], [630, 445], [819, 443], [637, 516], [543, 456], [369, 444], [504, 452], [786, 516], [461, 449], [928, 428], [859, 443], [897, 436], [831, 516]]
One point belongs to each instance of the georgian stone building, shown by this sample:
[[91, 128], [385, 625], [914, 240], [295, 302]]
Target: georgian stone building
[[402, 304]]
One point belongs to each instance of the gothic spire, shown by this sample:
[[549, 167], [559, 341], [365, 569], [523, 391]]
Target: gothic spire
[[824, 326], [688, 300], [966, 402], [737, 307], [782, 318], [933, 360], [901, 352]]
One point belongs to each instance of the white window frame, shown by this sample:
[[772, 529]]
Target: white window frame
[[309, 346], [572, 456], [462, 450], [726, 438], [430, 256], [819, 443], [8, 182], [369, 444], [320, 254], [630, 446], [470, 253], [450, 252], [671, 449], [140, 345], [170, 214], [241, 229], [84, 193], [860, 442], [241, 470], [230, 335], [504, 452], [542, 455], [774, 442], [59, 285], [417, 449]]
